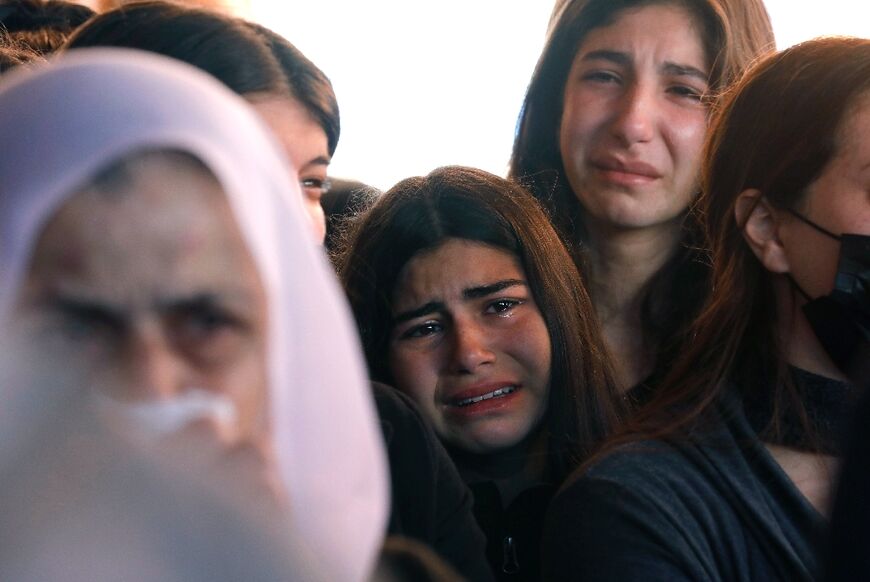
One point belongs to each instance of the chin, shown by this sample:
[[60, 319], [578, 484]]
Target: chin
[[634, 216], [492, 440]]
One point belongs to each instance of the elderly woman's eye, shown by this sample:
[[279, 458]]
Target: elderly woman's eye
[[205, 322]]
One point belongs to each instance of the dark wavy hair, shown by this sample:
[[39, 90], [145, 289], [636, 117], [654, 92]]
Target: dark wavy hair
[[246, 57], [41, 25], [419, 214], [309, 85], [733, 34], [13, 53]]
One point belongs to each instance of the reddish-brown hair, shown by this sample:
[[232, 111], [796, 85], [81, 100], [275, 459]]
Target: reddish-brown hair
[[776, 131]]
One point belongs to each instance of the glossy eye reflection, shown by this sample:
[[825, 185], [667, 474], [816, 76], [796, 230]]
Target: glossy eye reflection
[[503, 306], [425, 329]]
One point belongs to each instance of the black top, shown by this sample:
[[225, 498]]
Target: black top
[[430, 502], [713, 507], [849, 543], [513, 533]]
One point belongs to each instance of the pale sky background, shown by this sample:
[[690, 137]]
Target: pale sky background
[[425, 84]]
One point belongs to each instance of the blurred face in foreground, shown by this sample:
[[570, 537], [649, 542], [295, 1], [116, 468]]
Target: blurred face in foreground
[[144, 280]]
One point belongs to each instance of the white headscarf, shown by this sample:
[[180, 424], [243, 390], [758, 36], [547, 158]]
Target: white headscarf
[[63, 122]]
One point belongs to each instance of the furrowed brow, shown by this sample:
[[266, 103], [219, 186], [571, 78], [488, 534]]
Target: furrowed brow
[[431, 307], [615, 57], [685, 71], [86, 308], [485, 290], [197, 301]]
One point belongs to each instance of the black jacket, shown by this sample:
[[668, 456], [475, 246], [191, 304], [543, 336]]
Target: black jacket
[[430, 502]]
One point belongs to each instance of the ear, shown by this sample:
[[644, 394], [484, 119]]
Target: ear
[[760, 223]]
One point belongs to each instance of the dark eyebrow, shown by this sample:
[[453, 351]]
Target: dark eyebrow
[[431, 307], [606, 55], [318, 161], [197, 302], [668, 68], [484, 290], [470, 293], [685, 71], [84, 308]]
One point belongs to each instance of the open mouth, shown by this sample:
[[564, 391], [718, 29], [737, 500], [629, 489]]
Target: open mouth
[[488, 396]]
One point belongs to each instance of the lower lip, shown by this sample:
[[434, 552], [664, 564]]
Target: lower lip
[[484, 407], [624, 178]]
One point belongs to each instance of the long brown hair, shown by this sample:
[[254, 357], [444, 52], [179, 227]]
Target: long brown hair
[[733, 34], [421, 213], [776, 131]]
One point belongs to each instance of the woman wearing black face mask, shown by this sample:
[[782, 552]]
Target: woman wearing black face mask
[[726, 474], [841, 319]]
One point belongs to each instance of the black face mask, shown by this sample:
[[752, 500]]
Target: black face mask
[[841, 319]]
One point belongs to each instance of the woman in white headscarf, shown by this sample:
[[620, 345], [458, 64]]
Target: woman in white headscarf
[[92, 123]]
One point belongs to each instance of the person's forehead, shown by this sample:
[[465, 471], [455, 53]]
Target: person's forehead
[[171, 225]]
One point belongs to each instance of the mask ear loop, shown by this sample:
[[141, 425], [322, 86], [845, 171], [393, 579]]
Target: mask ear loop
[[809, 222]]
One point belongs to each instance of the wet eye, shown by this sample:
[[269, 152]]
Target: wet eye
[[687, 92], [604, 77], [502, 306], [424, 329]]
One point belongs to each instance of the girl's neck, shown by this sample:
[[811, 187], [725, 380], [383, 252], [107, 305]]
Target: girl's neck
[[619, 265]]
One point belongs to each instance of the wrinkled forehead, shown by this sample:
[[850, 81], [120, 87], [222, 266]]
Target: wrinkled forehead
[[158, 219], [603, 15], [154, 190]]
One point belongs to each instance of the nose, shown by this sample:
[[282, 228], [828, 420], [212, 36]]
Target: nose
[[634, 121], [156, 370], [471, 347]]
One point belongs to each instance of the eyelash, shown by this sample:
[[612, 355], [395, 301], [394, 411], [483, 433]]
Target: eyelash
[[505, 304], [601, 77], [316, 184], [499, 307], [210, 320], [422, 330], [685, 91]]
